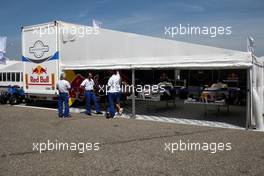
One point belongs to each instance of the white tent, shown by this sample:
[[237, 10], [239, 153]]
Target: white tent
[[113, 49], [119, 50], [13, 70], [11, 66]]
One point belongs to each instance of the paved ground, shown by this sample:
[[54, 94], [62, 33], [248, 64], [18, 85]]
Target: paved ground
[[191, 114], [127, 147], [176, 113]]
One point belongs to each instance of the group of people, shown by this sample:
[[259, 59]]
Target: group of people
[[113, 95]]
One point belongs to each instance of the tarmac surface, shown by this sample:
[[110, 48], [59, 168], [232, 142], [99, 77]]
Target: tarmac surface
[[126, 146]]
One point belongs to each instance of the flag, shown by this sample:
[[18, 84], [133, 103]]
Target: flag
[[97, 24], [2, 58], [2, 50], [2, 44], [250, 45]]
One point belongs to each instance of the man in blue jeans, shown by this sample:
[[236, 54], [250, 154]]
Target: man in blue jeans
[[88, 85], [63, 87], [113, 93]]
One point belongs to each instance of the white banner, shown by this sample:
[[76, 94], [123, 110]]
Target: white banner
[[97, 24], [3, 44], [2, 59], [250, 45]]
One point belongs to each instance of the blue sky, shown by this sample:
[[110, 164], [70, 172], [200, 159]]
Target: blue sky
[[143, 17]]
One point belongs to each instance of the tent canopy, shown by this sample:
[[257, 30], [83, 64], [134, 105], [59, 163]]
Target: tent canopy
[[11, 66], [119, 50]]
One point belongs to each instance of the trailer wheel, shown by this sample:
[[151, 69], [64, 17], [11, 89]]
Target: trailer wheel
[[13, 100]]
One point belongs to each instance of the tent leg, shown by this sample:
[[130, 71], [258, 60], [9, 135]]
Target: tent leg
[[133, 94], [249, 98]]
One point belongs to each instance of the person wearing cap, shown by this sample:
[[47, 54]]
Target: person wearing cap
[[88, 84], [113, 93], [63, 86]]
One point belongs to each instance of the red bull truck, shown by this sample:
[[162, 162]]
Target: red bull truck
[[46, 49], [40, 57], [42, 54]]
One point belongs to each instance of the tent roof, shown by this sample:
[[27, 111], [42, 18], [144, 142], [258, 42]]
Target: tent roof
[[11, 66], [119, 50], [180, 62]]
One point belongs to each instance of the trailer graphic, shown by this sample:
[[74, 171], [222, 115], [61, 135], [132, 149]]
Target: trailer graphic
[[40, 59], [39, 49], [44, 48]]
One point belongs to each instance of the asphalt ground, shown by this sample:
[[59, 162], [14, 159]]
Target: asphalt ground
[[126, 146]]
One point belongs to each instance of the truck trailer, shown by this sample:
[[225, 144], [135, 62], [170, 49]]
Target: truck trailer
[[44, 49]]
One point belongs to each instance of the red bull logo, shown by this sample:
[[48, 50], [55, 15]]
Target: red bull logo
[[39, 70]]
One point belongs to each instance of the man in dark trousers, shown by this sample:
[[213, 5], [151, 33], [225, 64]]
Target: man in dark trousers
[[63, 86], [88, 84], [113, 93]]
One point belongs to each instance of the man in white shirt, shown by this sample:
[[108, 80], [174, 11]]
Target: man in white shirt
[[63, 86], [113, 93], [88, 84]]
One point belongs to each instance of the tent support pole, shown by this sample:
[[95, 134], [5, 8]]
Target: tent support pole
[[133, 94], [249, 98]]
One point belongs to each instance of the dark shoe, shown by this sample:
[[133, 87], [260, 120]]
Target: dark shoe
[[88, 113], [60, 116], [99, 112], [107, 115], [67, 116]]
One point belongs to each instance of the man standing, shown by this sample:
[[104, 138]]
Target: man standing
[[88, 85], [63, 86], [113, 94]]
